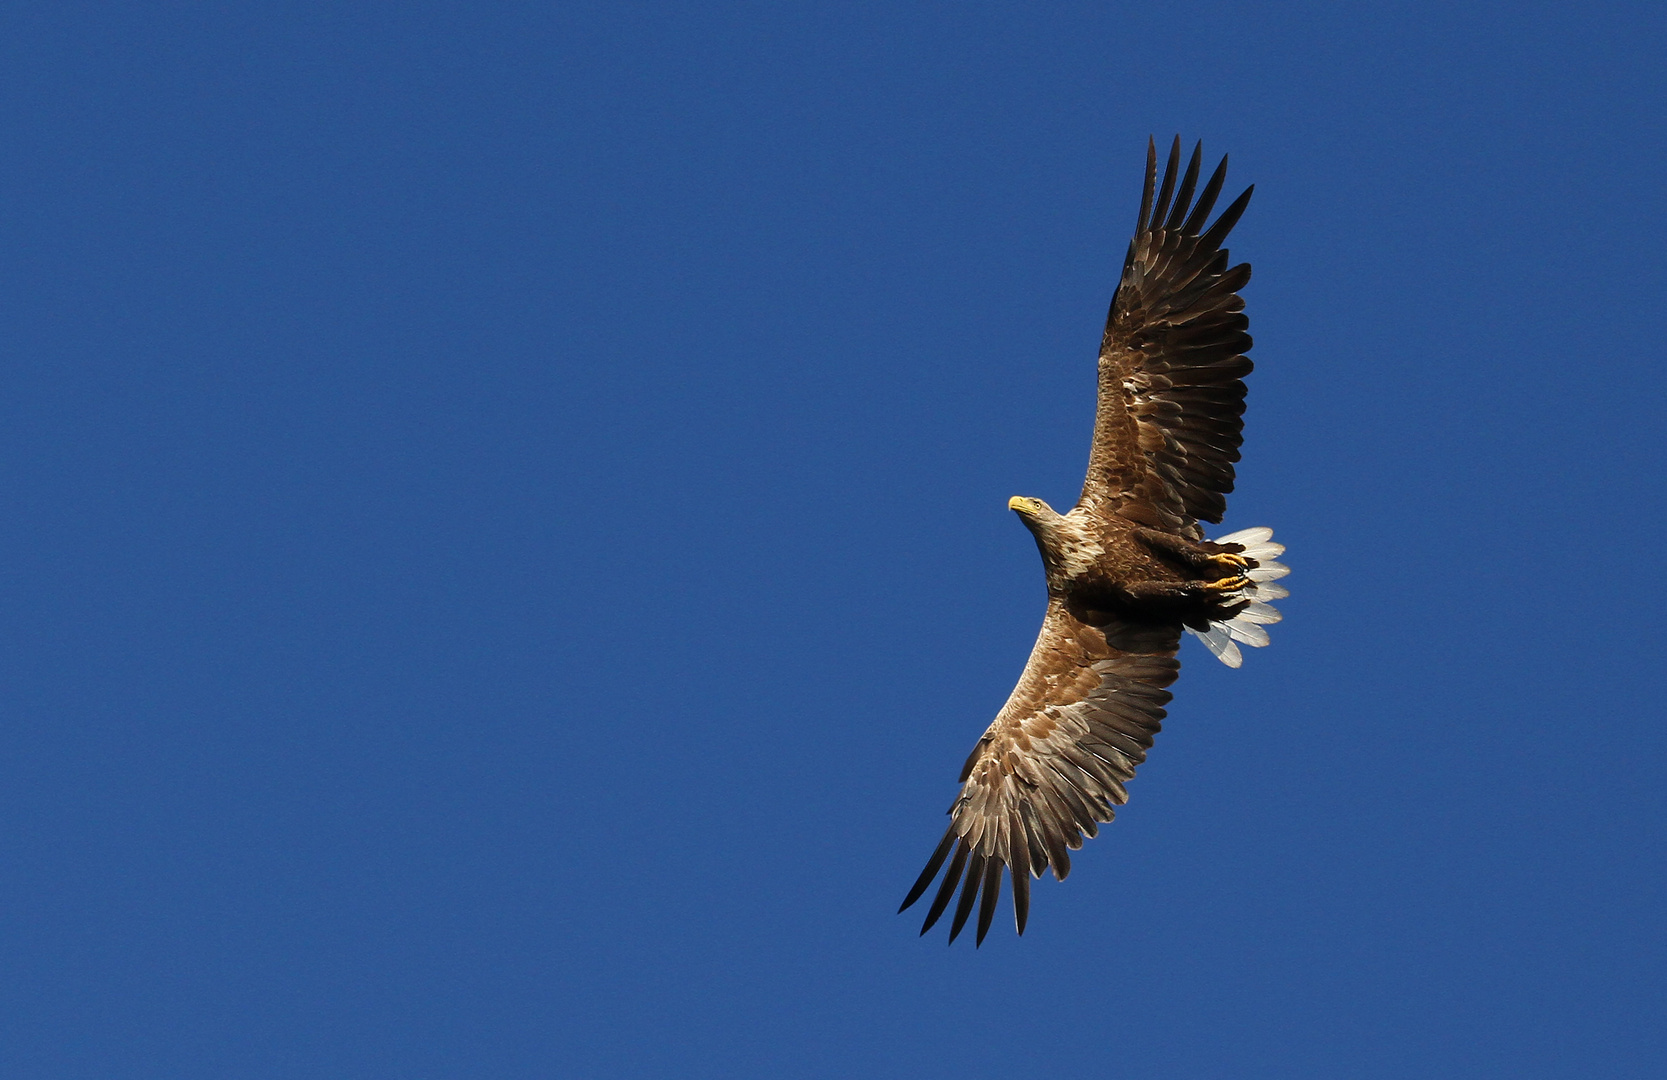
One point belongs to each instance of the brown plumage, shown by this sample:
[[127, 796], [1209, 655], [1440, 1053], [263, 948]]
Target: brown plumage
[[1128, 568]]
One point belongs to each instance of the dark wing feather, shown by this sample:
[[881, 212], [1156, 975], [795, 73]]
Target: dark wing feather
[[1172, 359], [1053, 764]]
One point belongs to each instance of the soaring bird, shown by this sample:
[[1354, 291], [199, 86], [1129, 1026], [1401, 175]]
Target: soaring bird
[[1128, 568]]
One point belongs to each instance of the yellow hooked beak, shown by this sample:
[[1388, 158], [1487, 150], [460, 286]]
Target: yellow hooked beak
[[1022, 505]]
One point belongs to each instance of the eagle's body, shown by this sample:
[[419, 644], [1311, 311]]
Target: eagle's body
[[1128, 568]]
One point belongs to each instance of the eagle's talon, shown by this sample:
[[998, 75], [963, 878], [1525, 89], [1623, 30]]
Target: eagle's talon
[[1229, 584], [1230, 561]]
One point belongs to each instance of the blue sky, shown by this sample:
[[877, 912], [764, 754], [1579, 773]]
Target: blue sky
[[504, 544]]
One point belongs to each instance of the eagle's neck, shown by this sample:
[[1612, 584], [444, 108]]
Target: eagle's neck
[[1070, 550]]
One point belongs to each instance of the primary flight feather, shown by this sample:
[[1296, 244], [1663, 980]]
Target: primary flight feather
[[1128, 568]]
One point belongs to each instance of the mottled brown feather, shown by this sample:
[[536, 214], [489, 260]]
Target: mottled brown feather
[[1036, 782], [1174, 327]]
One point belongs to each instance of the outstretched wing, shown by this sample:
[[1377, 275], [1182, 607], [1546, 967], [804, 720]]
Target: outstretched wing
[[1053, 762], [1171, 401]]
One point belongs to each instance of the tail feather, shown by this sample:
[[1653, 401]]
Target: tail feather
[[1245, 626], [1247, 633], [1261, 534]]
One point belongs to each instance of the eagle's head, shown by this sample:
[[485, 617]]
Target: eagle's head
[[1040, 518], [1032, 512]]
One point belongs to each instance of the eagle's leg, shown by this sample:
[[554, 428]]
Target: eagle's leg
[[1220, 565], [1185, 590], [1196, 603]]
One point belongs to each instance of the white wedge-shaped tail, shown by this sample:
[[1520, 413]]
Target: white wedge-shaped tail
[[1245, 627]]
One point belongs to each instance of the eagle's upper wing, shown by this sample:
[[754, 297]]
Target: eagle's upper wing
[[1053, 762], [1169, 424]]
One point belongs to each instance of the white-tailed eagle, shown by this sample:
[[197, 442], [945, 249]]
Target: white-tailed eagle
[[1128, 568]]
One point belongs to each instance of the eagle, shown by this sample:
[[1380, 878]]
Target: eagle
[[1128, 567]]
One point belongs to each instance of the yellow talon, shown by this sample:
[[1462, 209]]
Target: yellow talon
[[1232, 560], [1227, 584]]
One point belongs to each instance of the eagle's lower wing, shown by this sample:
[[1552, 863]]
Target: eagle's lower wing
[[1053, 762], [1171, 401]]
